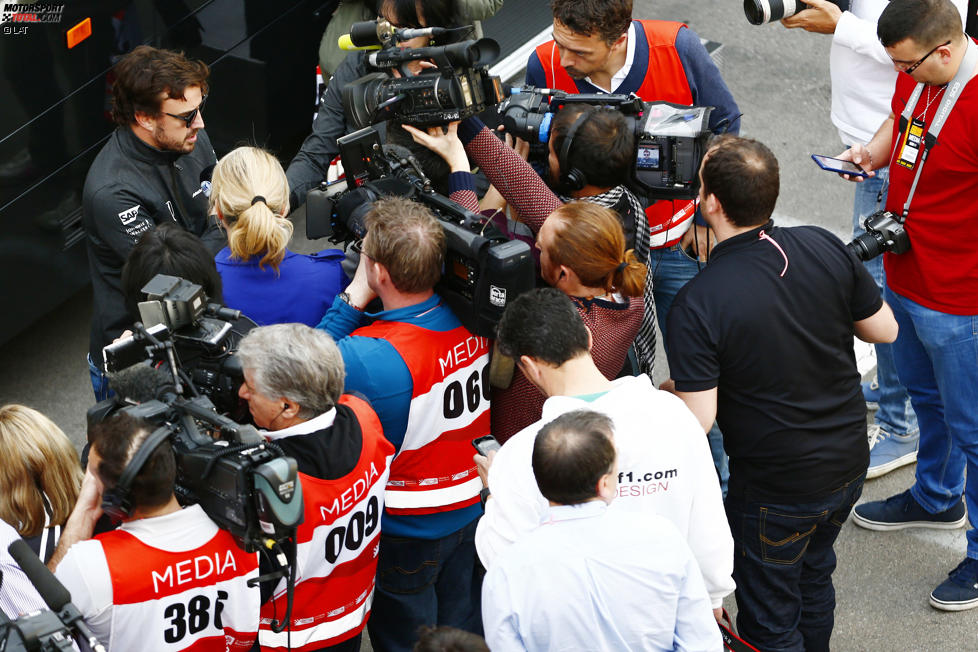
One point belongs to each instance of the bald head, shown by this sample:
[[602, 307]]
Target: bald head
[[572, 454]]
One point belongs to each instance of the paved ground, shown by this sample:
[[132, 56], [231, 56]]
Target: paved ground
[[780, 80]]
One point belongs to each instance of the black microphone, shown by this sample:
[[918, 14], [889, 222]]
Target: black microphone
[[53, 592], [205, 180]]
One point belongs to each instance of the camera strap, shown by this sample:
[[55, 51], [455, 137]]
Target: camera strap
[[951, 95]]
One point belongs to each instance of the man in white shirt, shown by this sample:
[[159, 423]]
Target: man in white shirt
[[863, 78], [664, 463], [591, 577]]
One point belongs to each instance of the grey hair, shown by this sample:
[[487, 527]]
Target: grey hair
[[302, 364]]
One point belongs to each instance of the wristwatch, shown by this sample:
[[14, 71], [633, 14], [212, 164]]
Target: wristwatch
[[345, 298]]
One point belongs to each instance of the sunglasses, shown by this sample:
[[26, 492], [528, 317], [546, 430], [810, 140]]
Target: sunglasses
[[188, 118]]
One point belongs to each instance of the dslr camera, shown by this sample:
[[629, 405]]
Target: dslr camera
[[458, 88], [670, 139], [884, 232]]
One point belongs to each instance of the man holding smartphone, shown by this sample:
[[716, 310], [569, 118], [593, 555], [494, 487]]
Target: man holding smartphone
[[933, 287], [862, 84]]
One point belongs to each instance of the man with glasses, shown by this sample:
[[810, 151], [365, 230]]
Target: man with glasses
[[148, 173], [862, 85], [933, 287]]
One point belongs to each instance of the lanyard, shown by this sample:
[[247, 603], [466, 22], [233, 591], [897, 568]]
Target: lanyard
[[954, 89]]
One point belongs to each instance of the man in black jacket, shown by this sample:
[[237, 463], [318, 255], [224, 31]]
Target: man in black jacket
[[148, 173]]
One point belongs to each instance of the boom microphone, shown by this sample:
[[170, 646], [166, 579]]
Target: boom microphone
[[53, 592], [373, 35]]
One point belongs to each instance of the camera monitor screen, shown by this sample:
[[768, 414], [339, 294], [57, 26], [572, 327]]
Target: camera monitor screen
[[648, 157]]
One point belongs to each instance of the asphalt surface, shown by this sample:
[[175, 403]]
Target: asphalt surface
[[780, 78]]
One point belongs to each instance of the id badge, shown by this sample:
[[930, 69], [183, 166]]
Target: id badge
[[913, 140]]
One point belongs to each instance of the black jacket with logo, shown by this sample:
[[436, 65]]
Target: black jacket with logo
[[130, 189]]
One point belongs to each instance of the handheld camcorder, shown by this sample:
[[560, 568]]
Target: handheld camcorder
[[670, 139], [483, 270], [459, 87], [205, 336], [759, 12], [884, 232], [245, 484]]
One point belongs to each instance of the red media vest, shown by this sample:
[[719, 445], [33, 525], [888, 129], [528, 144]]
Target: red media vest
[[665, 81], [337, 548], [433, 470], [177, 601]]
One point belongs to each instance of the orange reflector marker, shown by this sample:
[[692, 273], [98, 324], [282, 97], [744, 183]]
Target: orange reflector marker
[[79, 33]]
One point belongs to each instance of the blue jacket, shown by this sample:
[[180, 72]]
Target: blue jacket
[[301, 292]]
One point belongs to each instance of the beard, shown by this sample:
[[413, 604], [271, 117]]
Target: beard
[[574, 73], [168, 143]]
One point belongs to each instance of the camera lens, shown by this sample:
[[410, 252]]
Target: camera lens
[[759, 12], [867, 246]]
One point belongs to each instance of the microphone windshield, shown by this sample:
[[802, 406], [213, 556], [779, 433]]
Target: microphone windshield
[[141, 382]]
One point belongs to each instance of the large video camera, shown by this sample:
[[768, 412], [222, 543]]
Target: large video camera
[[483, 270], [884, 232], [205, 336], [245, 484], [670, 139], [459, 87]]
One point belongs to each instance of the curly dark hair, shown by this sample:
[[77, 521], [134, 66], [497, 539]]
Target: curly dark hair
[[147, 75]]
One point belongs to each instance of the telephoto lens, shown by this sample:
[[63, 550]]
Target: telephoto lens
[[759, 12]]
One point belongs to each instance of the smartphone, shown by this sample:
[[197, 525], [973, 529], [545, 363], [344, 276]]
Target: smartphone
[[485, 445], [838, 165]]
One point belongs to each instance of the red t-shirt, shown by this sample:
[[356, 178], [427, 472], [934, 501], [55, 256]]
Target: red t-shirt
[[940, 271]]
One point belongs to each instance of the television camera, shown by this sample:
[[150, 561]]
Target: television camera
[[670, 139], [483, 270], [459, 87], [205, 336], [245, 484]]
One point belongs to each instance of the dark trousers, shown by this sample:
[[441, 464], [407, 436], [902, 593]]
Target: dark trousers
[[783, 564], [425, 582]]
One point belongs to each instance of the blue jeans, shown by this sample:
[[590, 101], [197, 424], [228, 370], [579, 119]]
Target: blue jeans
[[425, 582], [672, 268], [783, 564], [895, 414], [100, 382], [937, 359]]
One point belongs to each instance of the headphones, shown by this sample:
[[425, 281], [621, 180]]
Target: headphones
[[571, 178], [117, 502]]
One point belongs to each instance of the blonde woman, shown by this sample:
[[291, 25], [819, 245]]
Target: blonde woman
[[39, 477], [261, 277]]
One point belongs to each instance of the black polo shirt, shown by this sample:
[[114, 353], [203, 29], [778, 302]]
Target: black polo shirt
[[770, 324]]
